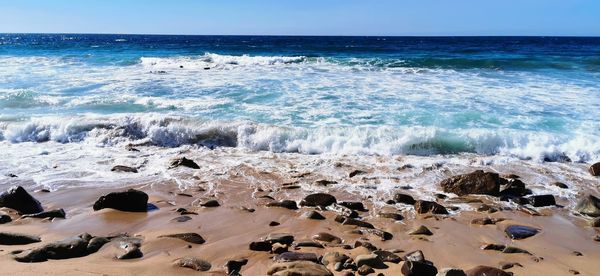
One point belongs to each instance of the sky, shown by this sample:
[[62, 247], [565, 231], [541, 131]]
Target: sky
[[303, 17]]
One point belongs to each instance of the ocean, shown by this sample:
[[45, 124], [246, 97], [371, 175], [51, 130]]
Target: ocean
[[527, 98]]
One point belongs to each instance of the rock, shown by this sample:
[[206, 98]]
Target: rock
[[288, 204], [342, 210], [188, 237], [355, 173], [4, 218], [595, 169], [518, 232], [508, 265], [96, 243], [20, 200], [318, 199], [589, 205], [120, 168], [59, 213], [560, 185], [183, 162], [365, 270], [505, 249], [387, 256], [486, 271], [415, 256], [359, 223], [394, 216], [486, 221], [194, 263], [182, 218], [514, 188], [280, 238], [595, 222], [73, 247], [326, 237], [379, 233], [410, 268], [334, 257], [541, 200], [128, 201], [324, 182], [300, 268], [424, 207], [260, 246], [313, 215], [477, 182], [7, 238], [404, 198], [274, 223], [371, 260], [131, 249], [487, 208], [574, 272], [369, 246], [307, 243], [421, 230], [296, 256], [278, 248], [353, 205], [235, 266], [210, 204], [451, 272]]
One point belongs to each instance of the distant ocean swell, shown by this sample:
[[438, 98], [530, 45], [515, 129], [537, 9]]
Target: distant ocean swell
[[173, 131]]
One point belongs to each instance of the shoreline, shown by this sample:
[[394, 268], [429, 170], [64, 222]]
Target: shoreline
[[228, 229]]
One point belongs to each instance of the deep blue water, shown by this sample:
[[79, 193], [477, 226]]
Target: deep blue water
[[531, 97]]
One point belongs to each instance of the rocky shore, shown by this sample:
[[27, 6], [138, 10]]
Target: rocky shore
[[479, 222]]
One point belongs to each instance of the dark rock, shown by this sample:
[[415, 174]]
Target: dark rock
[[353, 205], [359, 223], [280, 238], [120, 168], [318, 199], [595, 222], [424, 207], [505, 249], [313, 215], [20, 200], [235, 266], [278, 248], [288, 204], [59, 213], [333, 258], [274, 223], [421, 230], [487, 208], [326, 237], [486, 271], [415, 256], [387, 256], [188, 237], [394, 216], [4, 218], [371, 260], [182, 218], [380, 233], [342, 210], [296, 256], [410, 268], [73, 247], [577, 253], [95, 244], [560, 185], [595, 169], [508, 265], [210, 204], [323, 182], [451, 272], [541, 200], [260, 246], [486, 221], [128, 201], [305, 268], [514, 188], [7, 238], [518, 232], [184, 162], [369, 246], [307, 243], [131, 249], [365, 270], [194, 263], [589, 205], [477, 182], [574, 272], [355, 173], [404, 198]]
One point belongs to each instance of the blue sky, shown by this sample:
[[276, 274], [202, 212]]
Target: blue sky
[[304, 17]]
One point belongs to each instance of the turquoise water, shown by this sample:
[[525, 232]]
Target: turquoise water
[[530, 97]]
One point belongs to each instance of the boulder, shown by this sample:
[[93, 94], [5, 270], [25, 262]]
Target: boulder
[[424, 207], [288, 204], [421, 230], [415, 256], [19, 199], [128, 201], [589, 205], [410, 268], [120, 168], [194, 263], [451, 272], [178, 162], [304, 268], [353, 205], [73, 247], [318, 200], [394, 216], [4, 218], [58, 213], [371, 260], [210, 203], [282, 238], [313, 215], [387, 256], [519, 232], [404, 198], [188, 237], [477, 182], [541, 200], [486, 271], [326, 237], [595, 169], [235, 266], [8, 238]]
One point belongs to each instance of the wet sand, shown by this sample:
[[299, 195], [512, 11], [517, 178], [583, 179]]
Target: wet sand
[[229, 229]]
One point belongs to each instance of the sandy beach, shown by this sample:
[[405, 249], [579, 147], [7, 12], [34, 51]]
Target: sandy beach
[[564, 243]]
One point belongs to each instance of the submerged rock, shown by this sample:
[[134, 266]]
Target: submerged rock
[[305, 268], [19, 199], [424, 207], [128, 201], [404, 198], [342, 210], [541, 200], [120, 168], [595, 169], [7, 238], [355, 173], [519, 232], [188, 237], [178, 162], [210, 204], [477, 182], [194, 263], [353, 205], [288, 204], [589, 205], [58, 213], [394, 216], [318, 200]]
